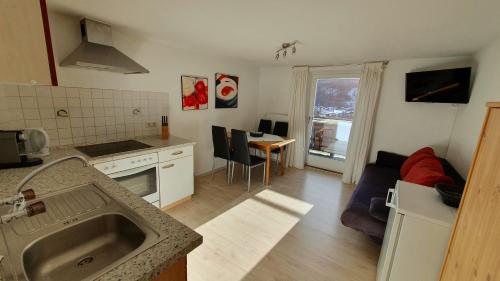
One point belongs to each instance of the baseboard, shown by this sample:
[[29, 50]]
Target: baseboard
[[178, 202], [210, 172]]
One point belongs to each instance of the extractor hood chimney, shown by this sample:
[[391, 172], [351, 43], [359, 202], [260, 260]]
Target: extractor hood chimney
[[97, 52]]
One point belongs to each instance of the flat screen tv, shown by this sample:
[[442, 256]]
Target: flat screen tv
[[441, 86]]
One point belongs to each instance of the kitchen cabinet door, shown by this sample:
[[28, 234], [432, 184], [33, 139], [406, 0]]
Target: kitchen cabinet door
[[176, 180], [26, 49]]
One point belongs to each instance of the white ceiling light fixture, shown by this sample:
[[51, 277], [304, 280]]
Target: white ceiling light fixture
[[284, 49]]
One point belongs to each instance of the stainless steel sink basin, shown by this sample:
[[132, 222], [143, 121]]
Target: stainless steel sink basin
[[82, 249], [84, 233]]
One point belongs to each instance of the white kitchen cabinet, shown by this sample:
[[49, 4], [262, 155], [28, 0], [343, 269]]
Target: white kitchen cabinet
[[417, 234], [176, 180]]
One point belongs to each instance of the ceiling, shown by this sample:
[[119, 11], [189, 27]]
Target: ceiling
[[328, 31]]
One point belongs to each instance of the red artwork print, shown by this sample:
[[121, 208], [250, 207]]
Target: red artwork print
[[226, 91], [194, 93], [201, 92]]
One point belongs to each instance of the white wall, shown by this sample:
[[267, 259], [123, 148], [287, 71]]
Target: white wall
[[400, 127], [166, 66], [403, 127], [470, 117], [274, 90]]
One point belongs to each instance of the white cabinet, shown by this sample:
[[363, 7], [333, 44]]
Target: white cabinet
[[416, 236], [176, 177]]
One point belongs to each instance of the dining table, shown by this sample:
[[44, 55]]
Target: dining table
[[268, 143]]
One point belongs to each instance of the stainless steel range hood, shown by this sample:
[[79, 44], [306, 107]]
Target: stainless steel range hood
[[97, 52]]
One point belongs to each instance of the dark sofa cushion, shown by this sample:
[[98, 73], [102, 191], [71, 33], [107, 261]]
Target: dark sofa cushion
[[389, 159], [374, 182], [378, 209]]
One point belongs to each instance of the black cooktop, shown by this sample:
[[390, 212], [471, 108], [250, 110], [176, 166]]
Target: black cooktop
[[101, 149]]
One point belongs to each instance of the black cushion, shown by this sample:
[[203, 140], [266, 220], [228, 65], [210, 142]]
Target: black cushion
[[390, 159], [378, 209]]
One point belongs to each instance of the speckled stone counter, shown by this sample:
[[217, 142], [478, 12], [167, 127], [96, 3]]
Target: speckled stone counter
[[179, 239]]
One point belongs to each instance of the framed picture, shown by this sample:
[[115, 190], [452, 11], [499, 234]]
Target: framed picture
[[194, 92], [226, 91]]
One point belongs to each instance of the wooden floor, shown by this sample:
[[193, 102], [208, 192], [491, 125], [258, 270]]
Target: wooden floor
[[289, 231]]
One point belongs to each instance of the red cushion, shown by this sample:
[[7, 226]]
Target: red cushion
[[414, 158], [428, 172]]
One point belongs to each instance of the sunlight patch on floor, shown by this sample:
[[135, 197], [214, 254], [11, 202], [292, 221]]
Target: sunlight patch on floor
[[236, 240]]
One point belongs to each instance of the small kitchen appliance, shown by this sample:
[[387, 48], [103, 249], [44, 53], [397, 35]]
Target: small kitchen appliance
[[13, 153]]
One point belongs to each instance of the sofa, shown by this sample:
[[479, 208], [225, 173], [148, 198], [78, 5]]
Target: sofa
[[366, 210]]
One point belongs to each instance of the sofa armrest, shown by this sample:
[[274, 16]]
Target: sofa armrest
[[378, 209], [390, 159]]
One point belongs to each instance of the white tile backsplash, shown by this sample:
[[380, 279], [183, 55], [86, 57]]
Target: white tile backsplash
[[28, 102], [95, 115]]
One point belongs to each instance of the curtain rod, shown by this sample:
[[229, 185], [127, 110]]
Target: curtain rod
[[385, 62]]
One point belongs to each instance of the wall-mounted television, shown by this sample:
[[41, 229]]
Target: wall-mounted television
[[441, 86]]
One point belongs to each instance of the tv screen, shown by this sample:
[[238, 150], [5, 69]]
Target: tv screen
[[442, 86]]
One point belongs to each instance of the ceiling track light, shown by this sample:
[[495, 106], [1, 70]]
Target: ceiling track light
[[284, 49]]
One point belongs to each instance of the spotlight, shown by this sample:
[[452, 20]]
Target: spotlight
[[285, 47]]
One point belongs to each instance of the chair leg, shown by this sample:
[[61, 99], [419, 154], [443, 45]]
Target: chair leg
[[232, 171], [264, 175], [249, 177], [277, 162], [228, 170]]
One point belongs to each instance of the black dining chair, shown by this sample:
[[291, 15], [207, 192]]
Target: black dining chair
[[241, 155], [280, 129], [265, 126], [221, 148]]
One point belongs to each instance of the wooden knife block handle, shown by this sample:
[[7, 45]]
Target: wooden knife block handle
[[164, 132]]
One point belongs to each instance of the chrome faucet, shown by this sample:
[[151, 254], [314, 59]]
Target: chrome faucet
[[18, 201]]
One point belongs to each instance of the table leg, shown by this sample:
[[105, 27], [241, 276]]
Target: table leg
[[282, 161], [268, 163]]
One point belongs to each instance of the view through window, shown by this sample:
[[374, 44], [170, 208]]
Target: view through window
[[334, 104]]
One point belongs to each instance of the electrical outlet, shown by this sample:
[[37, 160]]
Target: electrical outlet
[[151, 124]]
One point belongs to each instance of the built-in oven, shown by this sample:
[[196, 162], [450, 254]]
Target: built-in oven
[[138, 174]]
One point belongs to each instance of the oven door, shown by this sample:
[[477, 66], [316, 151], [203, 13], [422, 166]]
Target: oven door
[[142, 181]]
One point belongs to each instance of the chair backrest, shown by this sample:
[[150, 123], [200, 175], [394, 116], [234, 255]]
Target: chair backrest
[[239, 143], [221, 144], [280, 129], [265, 126]]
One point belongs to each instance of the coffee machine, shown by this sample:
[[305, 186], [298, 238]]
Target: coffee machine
[[13, 150]]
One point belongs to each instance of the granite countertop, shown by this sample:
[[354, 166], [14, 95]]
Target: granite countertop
[[179, 239]]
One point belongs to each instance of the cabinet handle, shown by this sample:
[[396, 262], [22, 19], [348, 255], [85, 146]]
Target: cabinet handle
[[389, 201], [168, 166], [177, 152]]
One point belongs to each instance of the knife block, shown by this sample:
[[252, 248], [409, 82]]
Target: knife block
[[164, 132]]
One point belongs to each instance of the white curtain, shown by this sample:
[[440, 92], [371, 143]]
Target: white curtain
[[362, 125], [297, 117]]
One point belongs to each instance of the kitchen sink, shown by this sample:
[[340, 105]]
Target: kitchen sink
[[82, 249], [84, 233]]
